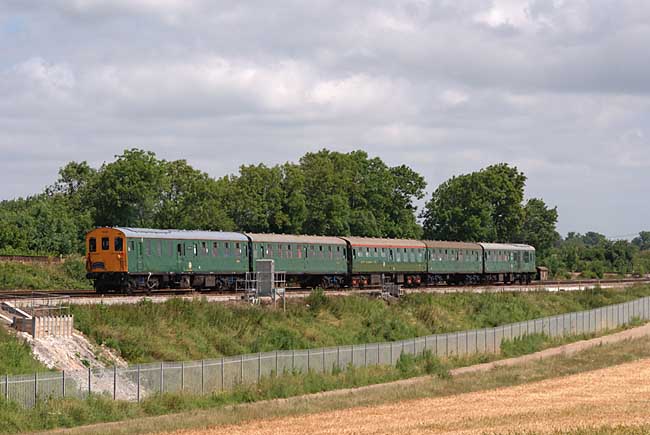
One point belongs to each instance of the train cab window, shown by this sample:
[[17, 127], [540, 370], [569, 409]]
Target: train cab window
[[354, 253], [119, 244], [92, 244], [195, 249], [105, 244]]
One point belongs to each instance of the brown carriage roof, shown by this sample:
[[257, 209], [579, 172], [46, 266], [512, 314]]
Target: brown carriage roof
[[437, 244], [292, 238], [376, 242]]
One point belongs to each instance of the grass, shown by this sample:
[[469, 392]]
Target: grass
[[199, 412], [16, 355], [69, 275], [195, 329]]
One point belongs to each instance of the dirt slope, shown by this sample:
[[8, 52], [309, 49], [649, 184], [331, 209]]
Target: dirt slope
[[616, 395]]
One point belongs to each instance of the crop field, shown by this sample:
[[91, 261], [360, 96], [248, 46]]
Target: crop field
[[608, 397]]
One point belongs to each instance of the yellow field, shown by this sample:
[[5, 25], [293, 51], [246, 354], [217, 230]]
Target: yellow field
[[612, 396]]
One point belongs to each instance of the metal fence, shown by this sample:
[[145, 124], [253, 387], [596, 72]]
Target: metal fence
[[202, 377]]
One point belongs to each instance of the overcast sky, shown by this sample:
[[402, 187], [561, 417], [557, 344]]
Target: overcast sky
[[559, 88]]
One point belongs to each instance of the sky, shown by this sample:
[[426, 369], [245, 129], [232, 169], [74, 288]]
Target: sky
[[559, 88]]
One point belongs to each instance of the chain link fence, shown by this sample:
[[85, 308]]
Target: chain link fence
[[135, 383]]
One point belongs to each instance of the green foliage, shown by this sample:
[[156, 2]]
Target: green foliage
[[538, 227], [593, 255], [524, 345], [69, 275], [325, 193], [481, 206], [185, 330], [16, 355]]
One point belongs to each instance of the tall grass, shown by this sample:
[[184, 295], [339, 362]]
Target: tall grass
[[65, 276], [183, 329], [16, 355]]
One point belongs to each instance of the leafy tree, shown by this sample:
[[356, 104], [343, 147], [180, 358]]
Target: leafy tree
[[538, 228], [642, 241], [481, 206], [192, 200], [127, 192]]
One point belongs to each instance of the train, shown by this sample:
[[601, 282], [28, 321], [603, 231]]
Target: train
[[120, 259]]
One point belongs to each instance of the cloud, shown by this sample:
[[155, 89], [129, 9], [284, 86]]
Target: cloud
[[557, 87]]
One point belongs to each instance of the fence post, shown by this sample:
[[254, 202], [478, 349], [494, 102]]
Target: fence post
[[308, 358], [7, 387], [114, 382], [391, 353], [182, 376], [202, 376], [276, 364], [223, 377], [259, 367], [35, 386], [138, 388], [63, 383], [338, 357], [293, 360], [89, 386], [365, 354], [162, 385], [322, 349], [241, 369]]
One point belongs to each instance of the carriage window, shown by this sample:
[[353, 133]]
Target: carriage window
[[119, 244], [179, 250], [92, 244], [354, 253], [204, 248], [194, 248], [105, 244], [215, 249], [159, 248], [170, 247], [299, 250]]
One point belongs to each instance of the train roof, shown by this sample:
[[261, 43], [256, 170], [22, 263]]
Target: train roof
[[507, 246], [151, 233], [292, 238], [437, 244], [390, 243]]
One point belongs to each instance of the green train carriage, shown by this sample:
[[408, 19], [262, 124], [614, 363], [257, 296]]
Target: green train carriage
[[308, 261], [402, 261], [453, 262], [508, 262]]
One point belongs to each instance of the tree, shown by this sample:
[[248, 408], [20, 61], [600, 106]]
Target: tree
[[481, 206], [642, 241], [538, 228], [127, 192], [192, 200]]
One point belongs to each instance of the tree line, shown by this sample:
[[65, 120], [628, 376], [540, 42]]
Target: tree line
[[324, 193]]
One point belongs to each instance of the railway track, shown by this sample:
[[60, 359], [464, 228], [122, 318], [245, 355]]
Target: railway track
[[90, 296]]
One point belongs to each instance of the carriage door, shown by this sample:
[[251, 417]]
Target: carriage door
[[139, 250], [180, 256]]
